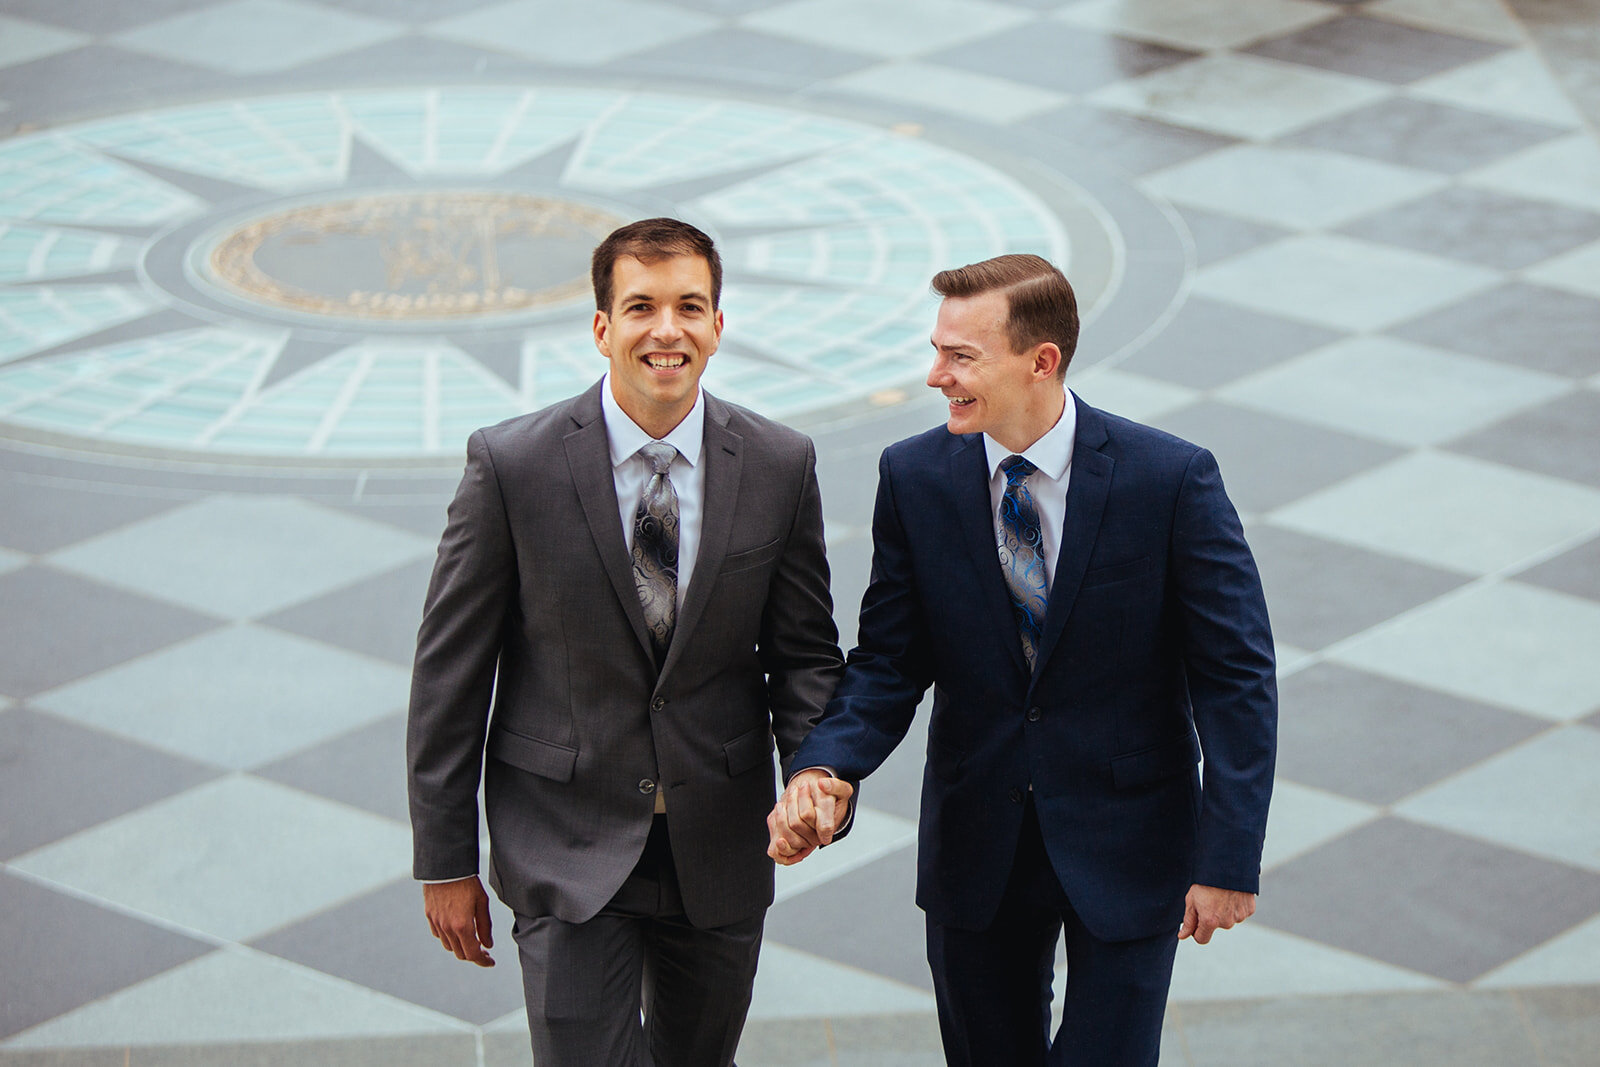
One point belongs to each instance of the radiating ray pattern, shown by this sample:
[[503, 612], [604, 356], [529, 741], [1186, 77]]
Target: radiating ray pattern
[[830, 230]]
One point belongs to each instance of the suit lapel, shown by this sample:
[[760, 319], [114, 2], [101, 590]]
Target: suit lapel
[[1087, 489], [724, 463], [969, 477], [589, 462]]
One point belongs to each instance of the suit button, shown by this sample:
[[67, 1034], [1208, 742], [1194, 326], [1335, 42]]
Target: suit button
[[1016, 796], [646, 786], [658, 703], [1033, 714]]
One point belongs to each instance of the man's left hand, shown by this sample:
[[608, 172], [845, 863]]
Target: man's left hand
[[1207, 909]]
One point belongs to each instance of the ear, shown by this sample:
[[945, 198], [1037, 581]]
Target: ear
[[716, 324], [1046, 360], [602, 329]]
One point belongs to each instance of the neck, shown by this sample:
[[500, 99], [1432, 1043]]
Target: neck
[[1038, 420]]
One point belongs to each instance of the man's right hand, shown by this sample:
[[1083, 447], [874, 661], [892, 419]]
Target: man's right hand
[[458, 915], [807, 815]]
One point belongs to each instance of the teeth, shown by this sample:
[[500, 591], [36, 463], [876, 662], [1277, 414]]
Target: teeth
[[665, 362]]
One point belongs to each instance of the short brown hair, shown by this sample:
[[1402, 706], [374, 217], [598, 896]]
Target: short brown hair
[[1039, 300], [648, 241]]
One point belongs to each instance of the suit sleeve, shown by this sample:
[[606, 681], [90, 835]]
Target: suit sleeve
[[458, 648], [1229, 662], [799, 644], [891, 666]]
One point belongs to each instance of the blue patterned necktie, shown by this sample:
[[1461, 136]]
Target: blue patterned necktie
[[655, 547], [1022, 554]]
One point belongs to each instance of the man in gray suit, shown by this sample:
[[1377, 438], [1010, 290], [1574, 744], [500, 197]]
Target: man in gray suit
[[635, 578]]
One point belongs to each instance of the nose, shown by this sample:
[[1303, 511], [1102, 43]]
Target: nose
[[939, 374], [667, 327]]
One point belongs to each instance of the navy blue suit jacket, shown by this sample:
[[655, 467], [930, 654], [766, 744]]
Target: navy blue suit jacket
[[1156, 647]]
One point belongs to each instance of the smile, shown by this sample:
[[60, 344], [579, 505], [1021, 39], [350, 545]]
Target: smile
[[668, 361], [960, 401]]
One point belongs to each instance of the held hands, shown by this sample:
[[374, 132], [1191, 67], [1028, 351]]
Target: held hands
[[1207, 909], [809, 813], [458, 915]]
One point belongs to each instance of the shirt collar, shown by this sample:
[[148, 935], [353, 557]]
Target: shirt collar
[[626, 438], [1052, 453]]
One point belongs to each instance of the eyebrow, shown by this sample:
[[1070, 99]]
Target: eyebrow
[[695, 295]]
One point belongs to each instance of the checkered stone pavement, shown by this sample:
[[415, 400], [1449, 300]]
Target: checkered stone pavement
[[1352, 247]]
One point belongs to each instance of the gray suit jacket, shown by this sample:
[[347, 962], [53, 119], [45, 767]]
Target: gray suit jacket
[[532, 600]]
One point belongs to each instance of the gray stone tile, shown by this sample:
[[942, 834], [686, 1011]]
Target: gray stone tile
[[49, 516], [1460, 1029], [506, 1050], [893, 944], [418, 1050], [1426, 899], [1219, 236], [375, 64], [74, 82], [1378, 740], [1058, 57], [1576, 571], [411, 10], [378, 616], [1561, 438], [745, 55], [726, 7], [1565, 1021], [1131, 144], [58, 958], [95, 16], [1528, 325], [1267, 461], [1210, 343], [364, 768], [1373, 48], [426, 520], [256, 36], [1417, 133], [57, 778], [380, 940], [58, 627], [787, 1043], [1480, 227], [1320, 591]]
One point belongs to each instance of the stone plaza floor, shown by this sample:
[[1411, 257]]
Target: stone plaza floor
[[265, 263]]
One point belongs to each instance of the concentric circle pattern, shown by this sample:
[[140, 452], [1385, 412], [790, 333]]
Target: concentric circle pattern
[[140, 308]]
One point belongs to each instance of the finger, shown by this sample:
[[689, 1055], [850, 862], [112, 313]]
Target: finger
[[1205, 928], [1190, 919], [485, 924]]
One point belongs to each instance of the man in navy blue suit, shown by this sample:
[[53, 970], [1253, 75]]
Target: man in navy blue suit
[[1078, 591]]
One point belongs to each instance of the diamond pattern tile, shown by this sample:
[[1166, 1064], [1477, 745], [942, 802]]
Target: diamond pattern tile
[[57, 515], [92, 17], [1131, 144], [1578, 271], [1516, 84], [1558, 438], [1475, 18], [236, 697], [364, 768], [1526, 325], [879, 26], [255, 36], [107, 627], [976, 96], [22, 40], [1576, 571], [1376, 740], [1477, 226], [377, 616], [1564, 171], [1220, 236], [588, 34], [1057, 57], [1420, 133], [1303, 818], [1194, 23], [241, 556], [1209, 343], [1376, 48], [1425, 899], [779, 62]]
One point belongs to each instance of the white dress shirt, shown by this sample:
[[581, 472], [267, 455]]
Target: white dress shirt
[[1052, 454], [630, 472]]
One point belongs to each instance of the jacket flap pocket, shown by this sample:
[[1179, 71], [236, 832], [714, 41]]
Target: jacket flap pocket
[[1155, 763], [544, 758], [750, 749], [1117, 572], [755, 557]]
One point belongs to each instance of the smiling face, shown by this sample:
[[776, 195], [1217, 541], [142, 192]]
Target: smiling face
[[1014, 397], [659, 333]]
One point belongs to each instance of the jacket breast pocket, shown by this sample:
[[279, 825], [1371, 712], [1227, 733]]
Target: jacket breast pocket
[[532, 754], [751, 558]]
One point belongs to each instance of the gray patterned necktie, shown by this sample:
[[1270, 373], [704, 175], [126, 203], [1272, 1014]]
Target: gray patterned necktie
[[655, 547], [1022, 554]]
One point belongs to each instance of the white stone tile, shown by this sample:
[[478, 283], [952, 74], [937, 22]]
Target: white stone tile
[[1302, 188], [885, 27], [873, 835], [1393, 390], [515, 1022], [238, 556], [1571, 959], [586, 34], [1515, 84], [10, 561], [1256, 961], [1196, 24], [1291, 658], [1448, 511], [1241, 96], [1541, 797], [975, 96], [1489, 20], [1577, 271], [23, 40], [1132, 396], [1525, 648], [230, 996], [791, 984], [1566, 171], [257, 36], [236, 697], [230, 859], [1302, 818], [1340, 282]]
